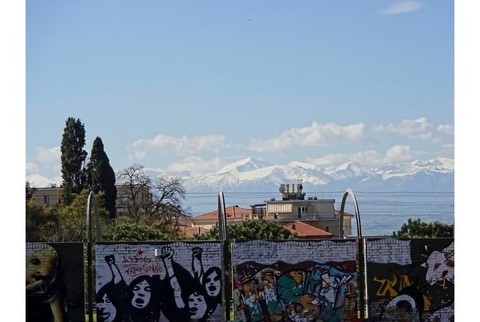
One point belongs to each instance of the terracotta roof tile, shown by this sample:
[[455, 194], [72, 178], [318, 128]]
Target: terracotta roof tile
[[233, 212], [303, 229]]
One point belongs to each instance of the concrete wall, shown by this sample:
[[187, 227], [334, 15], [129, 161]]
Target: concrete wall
[[179, 281], [410, 280], [54, 282], [294, 280]]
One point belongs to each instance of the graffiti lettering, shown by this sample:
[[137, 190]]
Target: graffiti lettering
[[132, 271], [390, 286], [136, 259], [300, 294], [386, 286]]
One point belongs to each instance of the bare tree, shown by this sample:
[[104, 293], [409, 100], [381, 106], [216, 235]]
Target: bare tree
[[168, 196], [133, 191], [152, 201]]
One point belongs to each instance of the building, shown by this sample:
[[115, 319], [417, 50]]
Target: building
[[319, 213], [48, 196], [131, 198], [207, 221], [52, 196], [309, 218], [292, 210]]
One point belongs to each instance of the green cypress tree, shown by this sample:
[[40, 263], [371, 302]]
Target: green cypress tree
[[73, 159], [102, 177]]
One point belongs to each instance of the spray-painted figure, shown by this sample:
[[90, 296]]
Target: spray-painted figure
[[106, 310], [45, 291], [173, 286], [210, 282], [174, 294], [197, 304], [143, 299], [113, 295]]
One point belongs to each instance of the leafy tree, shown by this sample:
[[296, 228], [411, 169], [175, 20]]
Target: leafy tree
[[72, 218], [29, 191], [41, 222], [415, 228], [124, 229], [251, 230], [101, 176], [73, 158]]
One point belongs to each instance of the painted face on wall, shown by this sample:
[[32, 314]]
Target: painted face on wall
[[41, 267], [213, 284], [105, 309], [197, 306], [142, 293]]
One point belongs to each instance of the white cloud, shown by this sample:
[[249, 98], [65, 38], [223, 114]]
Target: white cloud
[[445, 128], [401, 7], [448, 151], [31, 168], [397, 153], [418, 129], [196, 165], [329, 134], [49, 156], [46, 167], [180, 146]]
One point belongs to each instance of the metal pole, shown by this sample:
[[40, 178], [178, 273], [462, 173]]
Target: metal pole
[[89, 257], [226, 263], [91, 199], [362, 282]]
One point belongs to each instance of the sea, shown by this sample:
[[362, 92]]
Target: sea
[[379, 213]]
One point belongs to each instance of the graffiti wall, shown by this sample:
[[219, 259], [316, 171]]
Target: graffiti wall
[[410, 280], [54, 282], [179, 281], [294, 281]]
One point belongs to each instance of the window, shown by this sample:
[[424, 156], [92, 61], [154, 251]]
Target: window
[[46, 199], [124, 198]]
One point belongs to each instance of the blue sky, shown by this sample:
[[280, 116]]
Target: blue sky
[[247, 71], [194, 85]]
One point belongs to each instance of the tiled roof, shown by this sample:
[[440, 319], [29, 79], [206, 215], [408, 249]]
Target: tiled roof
[[233, 212], [302, 229]]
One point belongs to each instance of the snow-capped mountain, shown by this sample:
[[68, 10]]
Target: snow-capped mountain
[[257, 175]]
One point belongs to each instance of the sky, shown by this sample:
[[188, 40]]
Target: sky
[[195, 85], [162, 81]]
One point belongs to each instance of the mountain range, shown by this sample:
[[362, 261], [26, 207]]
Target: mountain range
[[252, 174], [256, 175]]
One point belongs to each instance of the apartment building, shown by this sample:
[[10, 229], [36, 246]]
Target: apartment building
[[48, 196], [311, 217]]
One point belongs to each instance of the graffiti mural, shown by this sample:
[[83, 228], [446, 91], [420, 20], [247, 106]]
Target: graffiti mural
[[411, 280], [294, 281], [159, 282], [54, 293]]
